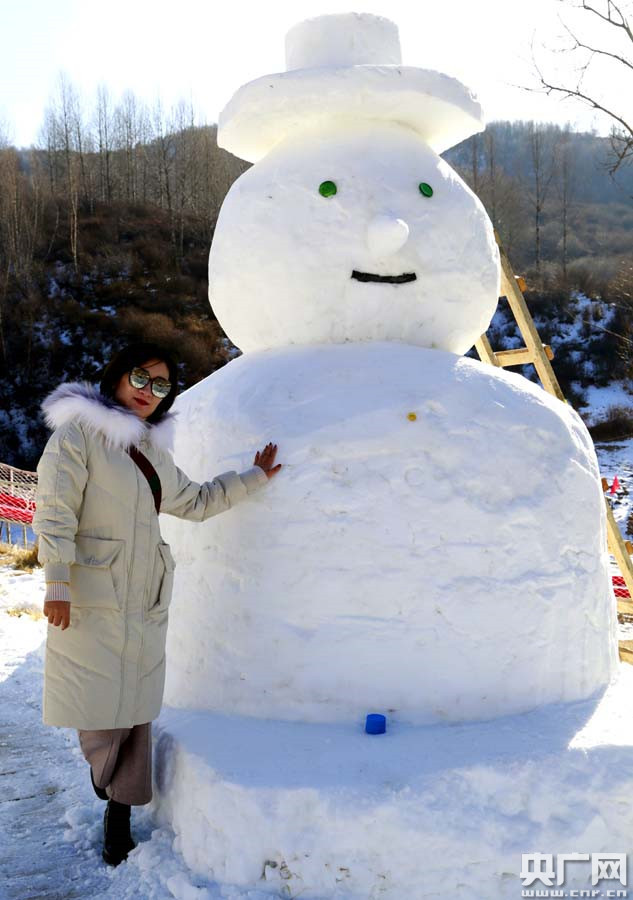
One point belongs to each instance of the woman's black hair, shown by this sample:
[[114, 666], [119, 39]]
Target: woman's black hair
[[135, 355]]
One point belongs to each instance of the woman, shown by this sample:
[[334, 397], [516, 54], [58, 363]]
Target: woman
[[104, 476]]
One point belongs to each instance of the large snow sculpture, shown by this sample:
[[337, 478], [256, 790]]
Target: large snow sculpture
[[434, 544]]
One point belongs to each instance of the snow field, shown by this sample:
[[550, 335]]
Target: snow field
[[50, 820]]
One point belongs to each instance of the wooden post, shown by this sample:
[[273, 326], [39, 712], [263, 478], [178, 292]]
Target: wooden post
[[520, 356], [485, 351], [539, 357]]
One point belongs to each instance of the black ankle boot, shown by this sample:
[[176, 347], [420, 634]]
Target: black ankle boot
[[100, 792], [117, 840]]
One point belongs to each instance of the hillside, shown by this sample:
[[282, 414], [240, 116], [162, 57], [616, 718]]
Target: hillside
[[100, 248]]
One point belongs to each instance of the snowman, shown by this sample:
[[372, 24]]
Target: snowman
[[434, 545]]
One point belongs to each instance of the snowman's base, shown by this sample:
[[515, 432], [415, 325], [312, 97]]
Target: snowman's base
[[322, 811]]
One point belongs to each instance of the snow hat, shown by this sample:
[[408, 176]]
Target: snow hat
[[346, 66]]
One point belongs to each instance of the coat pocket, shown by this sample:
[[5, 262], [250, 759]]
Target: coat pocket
[[96, 577], [163, 580]]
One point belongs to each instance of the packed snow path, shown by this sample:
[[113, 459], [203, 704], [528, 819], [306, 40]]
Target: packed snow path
[[50, 819]]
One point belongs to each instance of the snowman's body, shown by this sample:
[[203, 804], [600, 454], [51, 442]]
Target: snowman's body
[[428, 550], [434, 543]]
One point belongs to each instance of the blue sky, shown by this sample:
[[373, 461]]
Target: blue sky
[[205, 51]]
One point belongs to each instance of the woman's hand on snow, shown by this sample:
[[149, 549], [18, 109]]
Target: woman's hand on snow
[[57, 604], [266, 458]]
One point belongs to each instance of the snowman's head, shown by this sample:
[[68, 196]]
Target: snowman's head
[[353, 231], [350, 227]]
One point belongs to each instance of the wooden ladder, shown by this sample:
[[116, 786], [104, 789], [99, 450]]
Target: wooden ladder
[[539, 355]]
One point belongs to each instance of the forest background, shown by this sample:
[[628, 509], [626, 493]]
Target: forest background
[[106, 224]]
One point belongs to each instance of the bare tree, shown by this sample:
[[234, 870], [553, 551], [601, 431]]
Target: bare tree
[[496, 189], [614, 16], [62, 131], [146, 137], [621, 297], [565, 186], [128, 138], [475, 161], [4, 134], [165, 153], [510, 211], [48, 141], [219, 170], [5, 264], [185, 169], [104, 143], [543, 148], [20, 214], [81, 143], [492, 176]]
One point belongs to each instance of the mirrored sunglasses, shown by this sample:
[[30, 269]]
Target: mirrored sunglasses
[[139, 377]]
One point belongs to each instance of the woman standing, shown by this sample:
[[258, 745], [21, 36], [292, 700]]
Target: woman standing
[[104, 476]]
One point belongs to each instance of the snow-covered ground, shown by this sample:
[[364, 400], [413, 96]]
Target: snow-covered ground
[[50, 819], [575, 333], [616, 459], [479, 777], [599, 400]]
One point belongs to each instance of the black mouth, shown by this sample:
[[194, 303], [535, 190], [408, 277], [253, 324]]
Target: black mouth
[[384, 279]]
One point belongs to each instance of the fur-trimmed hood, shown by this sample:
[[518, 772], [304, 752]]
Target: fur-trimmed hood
[[119, 426]]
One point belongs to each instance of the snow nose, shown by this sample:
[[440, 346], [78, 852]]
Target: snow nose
[[386, 235]]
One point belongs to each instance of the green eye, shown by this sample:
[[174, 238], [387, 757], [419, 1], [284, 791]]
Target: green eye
[[425, 189], [327, 189]]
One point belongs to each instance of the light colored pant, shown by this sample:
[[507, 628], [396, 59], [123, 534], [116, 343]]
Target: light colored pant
[[121, 762]]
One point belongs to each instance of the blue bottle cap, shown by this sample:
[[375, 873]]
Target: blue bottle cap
[[375, 723]]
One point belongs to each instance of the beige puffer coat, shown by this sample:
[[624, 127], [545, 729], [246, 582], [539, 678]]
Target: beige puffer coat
[[98, 528]]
